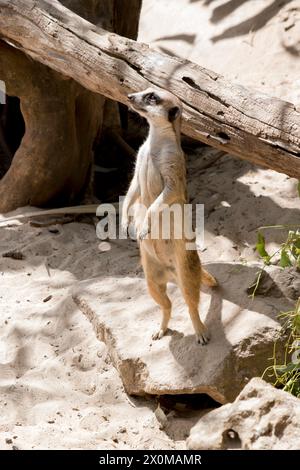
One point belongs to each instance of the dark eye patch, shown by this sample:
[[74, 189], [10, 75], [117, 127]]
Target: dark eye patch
[[152, 98]]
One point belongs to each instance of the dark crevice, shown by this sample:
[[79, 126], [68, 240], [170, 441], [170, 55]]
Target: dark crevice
[[12, 129], [231, 439], [183, 411], [223, 136], [194, 85]]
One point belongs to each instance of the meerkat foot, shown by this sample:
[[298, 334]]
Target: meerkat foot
[[159, 334], [203, 337]]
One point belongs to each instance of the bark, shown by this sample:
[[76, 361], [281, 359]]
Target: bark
[[240, 121], [53, 161]]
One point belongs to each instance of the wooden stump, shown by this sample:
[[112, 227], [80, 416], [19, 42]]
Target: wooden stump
[[53, 163], [61, 120]]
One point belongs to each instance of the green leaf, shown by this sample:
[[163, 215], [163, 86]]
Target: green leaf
[[261, 248], [288, 368], [295, 251], [297, 242], [285, 260], [297, 323]]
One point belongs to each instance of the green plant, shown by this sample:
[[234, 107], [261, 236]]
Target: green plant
[[289, 252], [287, 374]]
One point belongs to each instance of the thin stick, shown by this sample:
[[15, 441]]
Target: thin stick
[[88, 209]]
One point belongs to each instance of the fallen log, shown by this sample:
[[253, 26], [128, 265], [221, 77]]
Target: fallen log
[[246, 123]]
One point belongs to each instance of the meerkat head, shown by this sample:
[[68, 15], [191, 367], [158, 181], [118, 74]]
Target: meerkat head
[[157, 106]]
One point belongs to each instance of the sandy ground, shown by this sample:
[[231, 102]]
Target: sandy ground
[[58, 388], [252, 42]]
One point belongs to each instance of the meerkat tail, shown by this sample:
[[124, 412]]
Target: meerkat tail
[[208, 279]]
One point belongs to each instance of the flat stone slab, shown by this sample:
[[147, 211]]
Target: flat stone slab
[[243, 331]]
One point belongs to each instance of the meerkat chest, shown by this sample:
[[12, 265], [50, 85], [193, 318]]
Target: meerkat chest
[[150, 178]]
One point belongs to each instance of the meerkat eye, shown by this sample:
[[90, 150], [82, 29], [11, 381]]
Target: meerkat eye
[[152, 98]]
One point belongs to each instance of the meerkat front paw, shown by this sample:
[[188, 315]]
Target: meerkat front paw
[[145, 230], [203, 337]]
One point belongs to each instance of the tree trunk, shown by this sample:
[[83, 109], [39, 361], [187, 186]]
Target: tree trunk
[[53, 163], [61, 121], [243, 122]]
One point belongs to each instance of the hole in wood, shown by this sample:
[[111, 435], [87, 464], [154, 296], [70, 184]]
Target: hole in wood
[[223, 136], [191, 82]]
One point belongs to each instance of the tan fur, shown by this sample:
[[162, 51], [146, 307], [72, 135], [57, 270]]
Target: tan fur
[[160, 178]]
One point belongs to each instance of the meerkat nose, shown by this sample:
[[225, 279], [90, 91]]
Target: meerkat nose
[[130, 97]]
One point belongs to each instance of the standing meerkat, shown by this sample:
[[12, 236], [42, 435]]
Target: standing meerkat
[[159, 181]]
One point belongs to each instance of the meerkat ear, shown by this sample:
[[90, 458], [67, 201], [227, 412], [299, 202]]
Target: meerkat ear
[[174, 113]]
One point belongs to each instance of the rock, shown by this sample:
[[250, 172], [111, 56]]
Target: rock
[[277, 282], [243, 332], [261, 417], [284, 282], [161, 417]]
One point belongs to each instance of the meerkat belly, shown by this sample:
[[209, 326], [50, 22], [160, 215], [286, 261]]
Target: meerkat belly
[[165, 255]]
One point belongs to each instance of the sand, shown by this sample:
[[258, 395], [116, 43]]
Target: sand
[[58, 387], [256, 44]]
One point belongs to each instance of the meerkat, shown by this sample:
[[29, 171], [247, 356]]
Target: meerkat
[[159, 180]]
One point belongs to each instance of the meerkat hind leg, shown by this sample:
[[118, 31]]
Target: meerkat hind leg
[[157, 287], [189, 284], [158, 292], [202, 334]]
